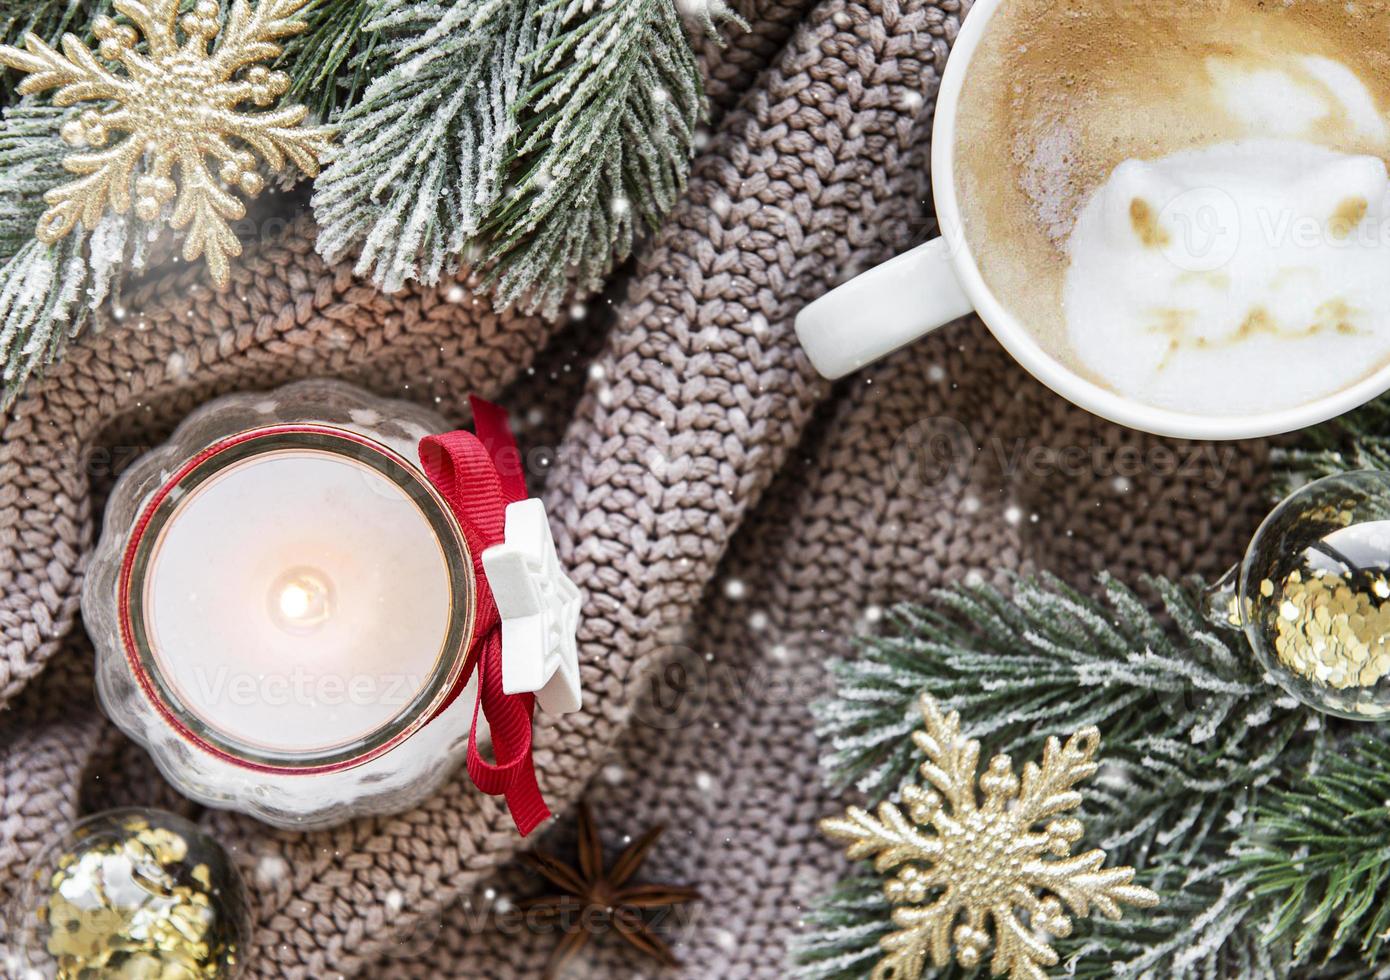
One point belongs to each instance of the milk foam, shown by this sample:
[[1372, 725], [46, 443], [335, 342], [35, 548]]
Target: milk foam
[[1294, 99], [1240, 277]]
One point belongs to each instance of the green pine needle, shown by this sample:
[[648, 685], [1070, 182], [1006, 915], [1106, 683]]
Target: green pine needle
[[47, 18], [1359, 440], [607, 132], [50, 20], [535, 138], [422, 154], [332, 61], [843, 931], [1201, 760], [1322, 850]]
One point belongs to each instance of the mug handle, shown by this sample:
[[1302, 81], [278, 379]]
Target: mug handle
[[886, 308]]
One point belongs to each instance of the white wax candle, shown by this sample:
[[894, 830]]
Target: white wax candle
[[297, 602]]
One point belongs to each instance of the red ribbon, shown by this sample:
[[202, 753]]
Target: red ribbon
[[478, 476]]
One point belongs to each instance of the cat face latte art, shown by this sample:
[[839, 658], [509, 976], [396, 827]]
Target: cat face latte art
[[1177, 214]]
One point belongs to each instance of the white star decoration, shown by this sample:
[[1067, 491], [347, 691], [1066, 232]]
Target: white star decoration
[[540, 611]]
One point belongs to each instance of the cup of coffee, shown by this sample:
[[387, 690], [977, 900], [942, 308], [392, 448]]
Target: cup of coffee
[[1174, 214]]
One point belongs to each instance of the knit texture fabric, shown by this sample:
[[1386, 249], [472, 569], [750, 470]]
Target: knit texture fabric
[[731, 518]]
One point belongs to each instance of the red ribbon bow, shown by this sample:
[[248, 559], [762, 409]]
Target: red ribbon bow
[[478, 476]]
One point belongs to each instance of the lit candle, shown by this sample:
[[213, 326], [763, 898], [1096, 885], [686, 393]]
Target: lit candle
[[282, 605], [288, 610], [289, 596]]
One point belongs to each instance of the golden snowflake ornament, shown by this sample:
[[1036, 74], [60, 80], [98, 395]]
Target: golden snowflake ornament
[[964, 861], [183, 102]]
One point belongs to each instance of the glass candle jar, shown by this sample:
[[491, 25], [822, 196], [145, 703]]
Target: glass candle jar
[[281, 604]]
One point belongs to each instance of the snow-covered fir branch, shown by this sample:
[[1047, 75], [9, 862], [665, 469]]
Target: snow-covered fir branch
[[1198, 751], [1322, 849], [422, 155], [1358, 440], [47, 292], [536, 138], [607, 134]]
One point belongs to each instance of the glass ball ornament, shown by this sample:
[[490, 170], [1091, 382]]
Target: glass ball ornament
[[1312, 595], [131, 895]]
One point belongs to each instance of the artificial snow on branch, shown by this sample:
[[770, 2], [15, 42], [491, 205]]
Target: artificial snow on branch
[[607, 134], [1201, 754], [1358, 440], [422, 155], [47, 291], [1322, 851], [31, 161], [535, 138]]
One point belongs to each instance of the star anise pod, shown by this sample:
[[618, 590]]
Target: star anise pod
[[592, 899]]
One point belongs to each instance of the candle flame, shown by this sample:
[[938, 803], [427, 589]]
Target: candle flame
[[295, 601], [301, 600]]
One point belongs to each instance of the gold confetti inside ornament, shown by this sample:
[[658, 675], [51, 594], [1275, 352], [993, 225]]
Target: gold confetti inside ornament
[[966, 864], [1312, 595], [132, 895], [183, 106]]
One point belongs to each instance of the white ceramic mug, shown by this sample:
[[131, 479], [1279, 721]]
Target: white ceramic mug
[[919, 291]]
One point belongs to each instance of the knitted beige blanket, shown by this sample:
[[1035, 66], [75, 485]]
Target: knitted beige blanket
[[721, 507]]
